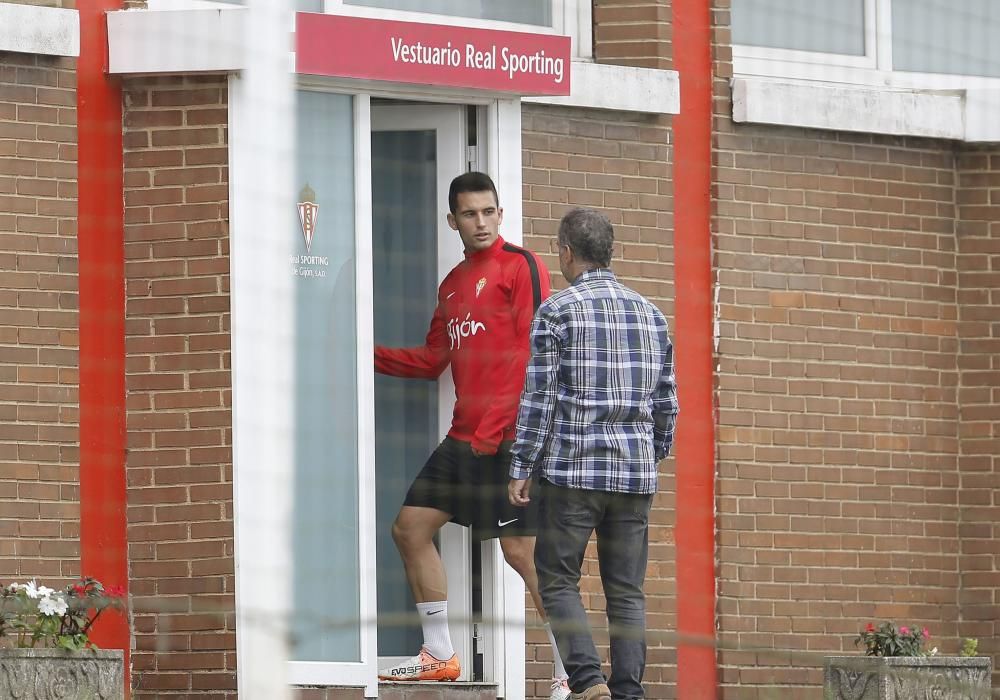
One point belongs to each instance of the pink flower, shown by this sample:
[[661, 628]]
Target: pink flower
[[869, 627], [926, 633], [904, 630]]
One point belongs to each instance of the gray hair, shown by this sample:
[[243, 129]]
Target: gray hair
[[589, 234]]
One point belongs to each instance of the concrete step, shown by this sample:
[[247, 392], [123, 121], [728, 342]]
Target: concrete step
[[437, 691], [405, 691]]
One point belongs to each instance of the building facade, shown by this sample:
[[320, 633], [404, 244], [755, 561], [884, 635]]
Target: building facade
[[810, 200]]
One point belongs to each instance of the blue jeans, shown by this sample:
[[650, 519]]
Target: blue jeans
[[566, 519]]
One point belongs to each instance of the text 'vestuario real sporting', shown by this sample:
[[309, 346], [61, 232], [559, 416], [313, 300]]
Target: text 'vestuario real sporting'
[[472, 57]]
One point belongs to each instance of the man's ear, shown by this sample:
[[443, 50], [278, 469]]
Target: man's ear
[[452, 222], [499, 215]]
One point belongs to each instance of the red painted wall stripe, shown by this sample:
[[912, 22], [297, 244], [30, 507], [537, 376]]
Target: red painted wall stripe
[[697, 676], [101, 250]]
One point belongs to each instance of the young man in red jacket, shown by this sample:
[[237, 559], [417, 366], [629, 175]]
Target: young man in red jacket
[[480, 327]]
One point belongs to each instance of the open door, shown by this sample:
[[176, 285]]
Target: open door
[[416, 151]]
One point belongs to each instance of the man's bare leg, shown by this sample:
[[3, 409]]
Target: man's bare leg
[[520, 554], [413, 532]]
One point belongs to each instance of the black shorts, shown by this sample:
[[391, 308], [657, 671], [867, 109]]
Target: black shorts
[[473, 490]]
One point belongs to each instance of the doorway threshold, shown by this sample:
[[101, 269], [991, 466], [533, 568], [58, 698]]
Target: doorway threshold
[[412, 690], [436, 690]]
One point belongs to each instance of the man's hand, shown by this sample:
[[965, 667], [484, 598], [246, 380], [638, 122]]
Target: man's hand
[[517, 492]]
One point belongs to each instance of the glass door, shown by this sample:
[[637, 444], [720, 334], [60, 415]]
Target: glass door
[[325, 517], [331, 518], [416, 149]]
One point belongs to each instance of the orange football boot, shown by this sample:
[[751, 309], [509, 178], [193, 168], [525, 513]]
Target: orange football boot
[[423, 667]]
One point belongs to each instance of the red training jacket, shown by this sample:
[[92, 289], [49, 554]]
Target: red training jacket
[[481, 326]]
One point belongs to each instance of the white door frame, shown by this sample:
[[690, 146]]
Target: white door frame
[[503, 590], [503, 596], [251, 392], [448, 123]]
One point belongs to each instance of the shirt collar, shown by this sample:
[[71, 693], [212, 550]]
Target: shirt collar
[[600, 273], [478, 255]]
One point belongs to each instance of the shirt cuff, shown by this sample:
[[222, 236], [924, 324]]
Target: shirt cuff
[[520, 470]]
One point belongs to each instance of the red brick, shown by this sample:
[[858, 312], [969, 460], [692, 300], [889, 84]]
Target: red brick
[[865, 220], [185, 422]]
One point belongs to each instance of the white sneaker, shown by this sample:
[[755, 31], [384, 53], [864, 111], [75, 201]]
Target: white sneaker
[[560, 689], [423, 667]]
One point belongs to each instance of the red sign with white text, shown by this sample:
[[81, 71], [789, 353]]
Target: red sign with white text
[[432, 54]]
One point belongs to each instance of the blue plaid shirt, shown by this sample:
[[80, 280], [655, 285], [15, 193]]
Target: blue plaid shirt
[[600, 398]]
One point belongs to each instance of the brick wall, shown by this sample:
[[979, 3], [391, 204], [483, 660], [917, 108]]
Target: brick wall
[[620, 164], [633, 32], [179, 395], [844, 478], [978, 230], [39, 418], [838, 451], [857, 443]]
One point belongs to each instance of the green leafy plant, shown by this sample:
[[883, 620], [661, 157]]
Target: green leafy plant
[[38, 616], [888, 640], [970, 647]]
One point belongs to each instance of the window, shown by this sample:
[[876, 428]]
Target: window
[[940, 36], [300, 5], [325, 517], [572, 18], [900, 43], [803, 25], [521, 11]]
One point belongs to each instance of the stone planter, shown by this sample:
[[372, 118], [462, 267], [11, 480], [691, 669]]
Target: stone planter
[[56, 674], [907, 678]]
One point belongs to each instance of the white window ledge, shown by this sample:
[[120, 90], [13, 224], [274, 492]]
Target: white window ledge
[[604, 86], [50, 31], [962, 115]]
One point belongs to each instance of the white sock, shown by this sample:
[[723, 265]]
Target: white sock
[[559, 672], [434, 621]]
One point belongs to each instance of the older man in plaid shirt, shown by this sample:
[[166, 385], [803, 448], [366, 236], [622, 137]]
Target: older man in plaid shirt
[[597, 414]]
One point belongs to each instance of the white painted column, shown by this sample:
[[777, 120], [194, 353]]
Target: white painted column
[[262, 199], [503, 589]]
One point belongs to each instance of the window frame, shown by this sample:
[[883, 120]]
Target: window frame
[[872, 25], [875, 69], [362, 672], [573, 18]]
